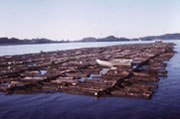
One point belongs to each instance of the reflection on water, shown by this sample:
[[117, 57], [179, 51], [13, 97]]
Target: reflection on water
[[165, 103]]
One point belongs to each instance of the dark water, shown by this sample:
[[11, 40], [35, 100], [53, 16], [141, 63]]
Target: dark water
[[165, 103]]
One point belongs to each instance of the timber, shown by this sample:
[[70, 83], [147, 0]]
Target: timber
[[123, 70]]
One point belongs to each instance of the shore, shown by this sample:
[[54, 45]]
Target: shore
[[77, 72]]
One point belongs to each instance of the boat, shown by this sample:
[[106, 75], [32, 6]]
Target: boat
[[115, 62], [104, 63]]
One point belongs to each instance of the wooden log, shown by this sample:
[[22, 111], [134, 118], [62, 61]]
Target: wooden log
[[131, 94]]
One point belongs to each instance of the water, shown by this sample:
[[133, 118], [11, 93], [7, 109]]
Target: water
[[24, 49], [165, 103]]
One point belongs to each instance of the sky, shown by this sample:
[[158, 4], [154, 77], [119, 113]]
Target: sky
[[76, 19]]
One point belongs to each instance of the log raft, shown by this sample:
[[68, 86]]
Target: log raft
[[79, 72]]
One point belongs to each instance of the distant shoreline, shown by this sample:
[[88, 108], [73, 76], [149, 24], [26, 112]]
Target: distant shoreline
[[4, 41], [29, 44]]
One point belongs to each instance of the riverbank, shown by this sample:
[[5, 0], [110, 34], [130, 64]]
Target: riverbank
[[76, 71]]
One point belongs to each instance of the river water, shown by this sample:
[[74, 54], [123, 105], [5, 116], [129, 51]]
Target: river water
[[24, 49], [165, 103]]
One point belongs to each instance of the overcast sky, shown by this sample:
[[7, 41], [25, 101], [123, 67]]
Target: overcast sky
[[75, 19]]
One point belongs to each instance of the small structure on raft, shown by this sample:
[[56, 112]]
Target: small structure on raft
[[122, 70]]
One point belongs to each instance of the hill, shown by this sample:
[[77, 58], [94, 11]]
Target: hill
[[174, 36], [106, 39], [15, 41]]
